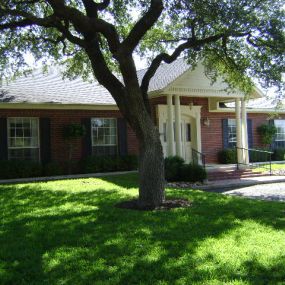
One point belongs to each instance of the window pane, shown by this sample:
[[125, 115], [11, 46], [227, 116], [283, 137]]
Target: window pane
[[188, 132], [23, 141], [104, 136], [164, 132], [232, 136], [23, 154], [280, 126]]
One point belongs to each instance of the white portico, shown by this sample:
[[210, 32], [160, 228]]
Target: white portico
[[180, 121]]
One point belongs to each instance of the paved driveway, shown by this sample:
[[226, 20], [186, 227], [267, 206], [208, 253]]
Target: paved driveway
[[272, 192]]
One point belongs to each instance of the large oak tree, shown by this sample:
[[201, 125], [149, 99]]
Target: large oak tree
[[240, 39]]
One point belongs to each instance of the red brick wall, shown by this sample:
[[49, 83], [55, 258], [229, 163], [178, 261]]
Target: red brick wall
[[59, 118], [212, 136]]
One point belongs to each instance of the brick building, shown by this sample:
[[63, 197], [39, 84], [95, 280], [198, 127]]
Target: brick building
[[185, 104]]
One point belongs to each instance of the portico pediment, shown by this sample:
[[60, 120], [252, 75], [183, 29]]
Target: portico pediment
[[195, 83]]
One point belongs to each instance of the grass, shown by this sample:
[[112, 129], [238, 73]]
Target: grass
[[274, 166], [69, 232]]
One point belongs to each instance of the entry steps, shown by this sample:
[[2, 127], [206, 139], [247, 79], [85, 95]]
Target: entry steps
[[226, 174]]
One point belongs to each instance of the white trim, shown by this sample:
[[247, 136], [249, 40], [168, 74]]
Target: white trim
[[232, 110], [49, 106]]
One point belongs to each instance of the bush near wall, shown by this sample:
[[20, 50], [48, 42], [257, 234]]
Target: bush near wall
[[19, 169], [259, 156], [10, 169], [95, 164], [177, 170], [227, 156], [279, 154]]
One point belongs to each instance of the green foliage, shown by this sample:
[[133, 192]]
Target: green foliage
[[52, 169], [192, 173], [55, 232], [19, 169], [259, 156], [279, 154], [73, 131], [172, 167], [177, 170], [267, 133], [252, 45], [94, 164], [227, 156]]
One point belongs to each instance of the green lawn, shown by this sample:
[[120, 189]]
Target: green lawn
[[274, 166], [69, 232]]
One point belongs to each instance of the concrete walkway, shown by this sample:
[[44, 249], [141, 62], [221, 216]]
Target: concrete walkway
[[271, 192], [224, 185]]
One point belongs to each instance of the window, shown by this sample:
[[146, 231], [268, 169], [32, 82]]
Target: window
[[188, 132], [232, 135], [23, 139], [280, 125], [164, 132], [104, 136]]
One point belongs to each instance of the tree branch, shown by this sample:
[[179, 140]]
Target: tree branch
[[103, 74], [142, 27], [16, 24], [190, 43], [51, 21]]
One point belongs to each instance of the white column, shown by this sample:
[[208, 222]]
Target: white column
[[238, 132], [198, 130], [170, 133], [244, 132], [178, 126], [198, 134]]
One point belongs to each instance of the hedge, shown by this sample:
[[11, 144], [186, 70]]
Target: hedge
[[10, 169]]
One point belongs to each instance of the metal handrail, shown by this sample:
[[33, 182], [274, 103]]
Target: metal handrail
[[196, 153], [256, 150]]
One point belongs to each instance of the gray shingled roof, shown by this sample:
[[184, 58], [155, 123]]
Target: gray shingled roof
[[50, 87], [165, 74], [40, 87]]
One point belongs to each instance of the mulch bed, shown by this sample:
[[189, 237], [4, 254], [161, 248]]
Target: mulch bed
[[166, 205]]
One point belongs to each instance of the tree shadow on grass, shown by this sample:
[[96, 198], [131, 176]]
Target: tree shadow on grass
[[58, 237]]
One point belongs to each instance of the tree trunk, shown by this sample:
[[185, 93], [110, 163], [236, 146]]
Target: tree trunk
[[151, 172]]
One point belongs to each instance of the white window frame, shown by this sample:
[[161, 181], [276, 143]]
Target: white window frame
[[116, 136], [282, 127], [231, 125], [26, 147]]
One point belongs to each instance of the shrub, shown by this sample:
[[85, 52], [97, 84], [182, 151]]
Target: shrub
[[127, 162], [255, 156], [279, 154], [227, 156], [192, 173], [93, 164], [52, 169], [267, 133], [19, 169], [172, 168]]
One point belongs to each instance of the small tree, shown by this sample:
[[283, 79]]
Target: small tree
[[267, 133]]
